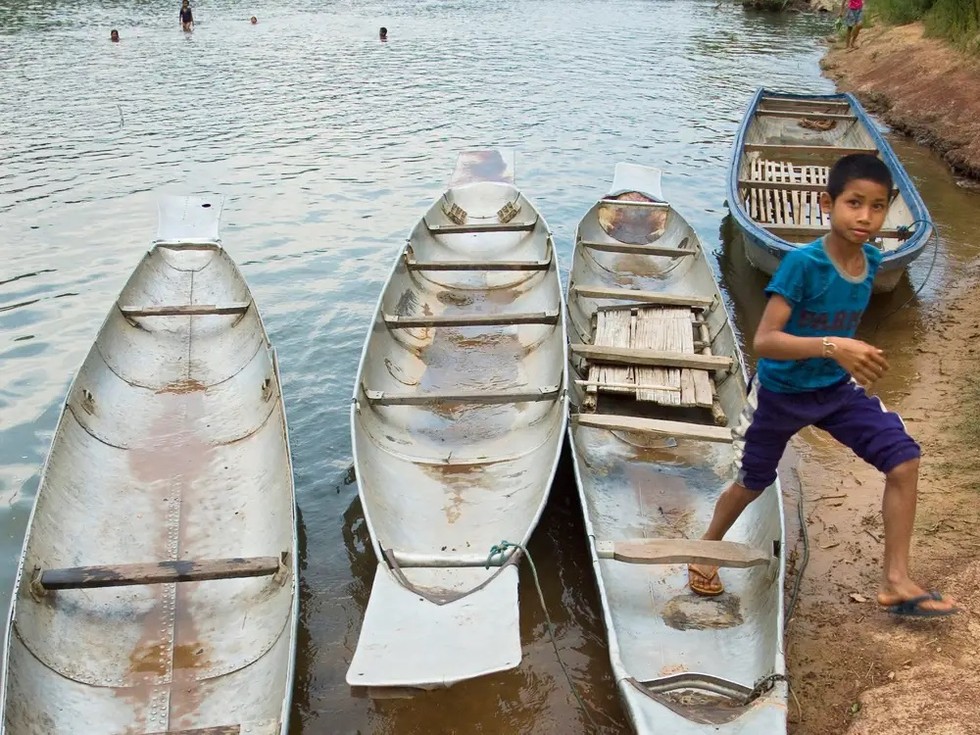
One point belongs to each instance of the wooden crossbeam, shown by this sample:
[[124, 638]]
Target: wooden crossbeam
[[183, 310], [646, 297], [790, 230], [794, 114], [122, 575], [780, 101], [631, 203], [787, 185], [221, 730], [683, 551], [471, 320], [189, 245], [483, 265], [676, 429], [781, 185], [486, 397], [836, 150], [618, 247], [481, 227], [629, 386], [629, 356]]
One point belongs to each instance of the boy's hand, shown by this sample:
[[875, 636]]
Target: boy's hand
[[863, 361]]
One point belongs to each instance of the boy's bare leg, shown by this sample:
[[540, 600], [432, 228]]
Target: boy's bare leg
[[729, 507], [854, 40], [898, 513]]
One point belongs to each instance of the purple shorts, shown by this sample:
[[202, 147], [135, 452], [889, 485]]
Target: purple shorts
[[845, 411]]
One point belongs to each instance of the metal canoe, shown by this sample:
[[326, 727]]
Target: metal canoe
[[651, 455], [169, 477], [782, 151], [457, 423]]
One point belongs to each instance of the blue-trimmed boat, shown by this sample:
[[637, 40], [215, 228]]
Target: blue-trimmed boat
[[783, 151]]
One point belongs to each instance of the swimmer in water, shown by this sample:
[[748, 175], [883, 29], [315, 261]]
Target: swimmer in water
[[114, 35], [253, 20], [186, 16], [383, 34]]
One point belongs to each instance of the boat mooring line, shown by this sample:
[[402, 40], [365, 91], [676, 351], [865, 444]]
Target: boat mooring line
[[935, 252], [498, 550]]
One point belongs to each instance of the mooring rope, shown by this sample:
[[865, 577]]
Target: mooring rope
[[935, 252], [499, 549]]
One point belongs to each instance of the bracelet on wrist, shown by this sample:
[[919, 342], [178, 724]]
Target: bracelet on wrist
[[829, 348]]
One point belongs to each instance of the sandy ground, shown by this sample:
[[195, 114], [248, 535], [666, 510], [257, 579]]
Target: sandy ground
[[918, 85], [855, 669]]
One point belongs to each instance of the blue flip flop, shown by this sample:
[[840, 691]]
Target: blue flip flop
[[913, 607]]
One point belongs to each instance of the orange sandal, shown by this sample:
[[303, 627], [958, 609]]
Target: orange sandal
[[706, 585]]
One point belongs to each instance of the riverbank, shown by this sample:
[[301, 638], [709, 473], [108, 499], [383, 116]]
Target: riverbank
[[920, 86], [855, 669]]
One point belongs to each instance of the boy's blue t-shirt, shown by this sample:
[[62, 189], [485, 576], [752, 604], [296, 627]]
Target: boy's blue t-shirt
[[826, 302]]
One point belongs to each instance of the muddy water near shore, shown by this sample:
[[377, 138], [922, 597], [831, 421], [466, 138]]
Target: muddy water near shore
[[329, 146]]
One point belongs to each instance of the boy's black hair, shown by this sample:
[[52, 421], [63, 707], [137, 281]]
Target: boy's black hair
[[857, 166]]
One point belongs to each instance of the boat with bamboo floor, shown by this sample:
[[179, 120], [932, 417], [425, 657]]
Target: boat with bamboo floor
[[783, 151], [657, 382], [157, 589], [457, 422]]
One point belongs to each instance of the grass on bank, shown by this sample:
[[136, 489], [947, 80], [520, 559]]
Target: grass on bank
[[955, 20]]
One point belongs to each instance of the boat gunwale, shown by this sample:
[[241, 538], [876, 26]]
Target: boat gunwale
[[897, 258]]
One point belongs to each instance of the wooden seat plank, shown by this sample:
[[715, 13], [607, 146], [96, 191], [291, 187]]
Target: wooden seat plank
[[189, 245], [771, 100], [627, 356], [471, 320], [634, 203], [819, 229], [385, 398], [801, 114], [184, 310], [481, 227], [676, 429], [473, 265], [785, 148], [683, 551], [646, 297], [220, 730], [619, 247], [122, 575]]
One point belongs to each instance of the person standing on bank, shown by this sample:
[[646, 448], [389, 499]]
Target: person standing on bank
[[854, 10], [812, 372], [186, 16]]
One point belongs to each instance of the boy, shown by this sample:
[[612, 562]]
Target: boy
[[855, 12], [114, 35], [811, 373], [186, 16]]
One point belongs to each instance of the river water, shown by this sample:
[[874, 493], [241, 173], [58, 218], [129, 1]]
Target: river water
[[328, 146]]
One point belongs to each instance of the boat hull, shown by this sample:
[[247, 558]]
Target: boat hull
[[171, 448]]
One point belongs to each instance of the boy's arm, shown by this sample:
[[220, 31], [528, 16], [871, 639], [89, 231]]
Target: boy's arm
[[865, 362], [843, 6]]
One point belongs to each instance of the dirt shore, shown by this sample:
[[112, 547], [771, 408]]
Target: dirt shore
[[855, 669], [918, 85]]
